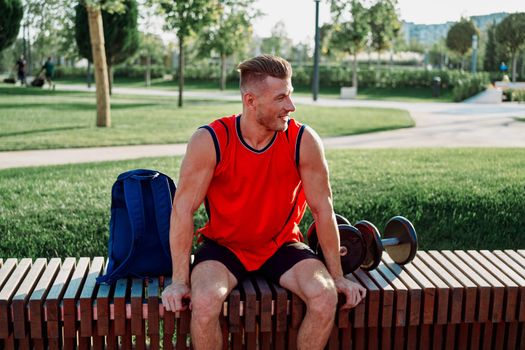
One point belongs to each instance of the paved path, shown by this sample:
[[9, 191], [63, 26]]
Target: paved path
[[437, 125]]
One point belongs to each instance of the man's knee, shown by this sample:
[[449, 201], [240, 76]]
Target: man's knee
[[208, 291], [207, 302], [323, 301]]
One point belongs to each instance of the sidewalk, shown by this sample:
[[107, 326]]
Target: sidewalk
[[437, 125]]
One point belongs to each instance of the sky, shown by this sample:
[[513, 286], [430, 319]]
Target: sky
[[299, 15]]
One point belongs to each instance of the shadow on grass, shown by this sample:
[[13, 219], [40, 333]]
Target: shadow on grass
[[36, 131], [72, 106]]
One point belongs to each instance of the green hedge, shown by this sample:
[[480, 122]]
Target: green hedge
[[157, 71]]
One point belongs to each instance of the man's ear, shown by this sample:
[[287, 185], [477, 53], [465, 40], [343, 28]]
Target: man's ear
[[248, 100]]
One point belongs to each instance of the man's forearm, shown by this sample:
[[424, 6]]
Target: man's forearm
[[181, 238], [329, 239]]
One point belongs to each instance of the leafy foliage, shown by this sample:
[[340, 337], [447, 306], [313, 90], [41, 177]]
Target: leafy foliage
[[121, 35], [384, 24], [459, 36], [10, 18], [510, 33]]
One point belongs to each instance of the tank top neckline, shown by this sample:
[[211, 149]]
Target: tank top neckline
[[245, 144]]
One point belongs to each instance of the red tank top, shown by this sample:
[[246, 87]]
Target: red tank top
[[255, 200]]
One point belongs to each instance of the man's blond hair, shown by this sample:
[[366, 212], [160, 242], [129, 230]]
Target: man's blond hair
[[256, 69]]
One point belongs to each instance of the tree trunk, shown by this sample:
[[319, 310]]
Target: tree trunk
[[110, 79], [88, 75], [514, 61], [148, 70], [354, 72], [223, 71], [181, 69], [96, 33]]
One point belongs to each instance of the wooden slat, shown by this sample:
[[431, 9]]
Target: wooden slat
[[497, 290], [102, 304], [153, 313], [372, 301], [21, 298], [119, 305], [71, 296], [137, 296], [514, 283], [36, 301], [250, 311], [234, 318], [424, 262], [429, 290], [234, 311], [7, 268], [442, 265], [400, 300], [87, 296], [387, 302], [7, 293], [443, 290], [183, 329], [517, 273], [280, 316], [265, 316], [53, 301], [482, 306]]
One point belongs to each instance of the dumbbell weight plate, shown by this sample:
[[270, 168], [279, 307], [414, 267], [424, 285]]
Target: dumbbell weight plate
[[341, 220], [352, 248], [374, 248], [312, 232], [401, 229]]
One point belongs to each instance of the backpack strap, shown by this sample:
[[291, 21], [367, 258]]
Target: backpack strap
[[162, 199]]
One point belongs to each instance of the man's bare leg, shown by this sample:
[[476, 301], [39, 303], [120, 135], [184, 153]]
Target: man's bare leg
[[310, 280], [211, 282]]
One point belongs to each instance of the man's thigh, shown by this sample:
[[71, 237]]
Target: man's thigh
[[308, 278], [215, 267]]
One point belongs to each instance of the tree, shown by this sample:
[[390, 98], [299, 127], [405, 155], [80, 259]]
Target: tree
[[10, 18], [459, 38], [121, 36], [510, 33], [490, 60], [384, 25], [188, 17], [351, 36], [278, 43], [230, 34]]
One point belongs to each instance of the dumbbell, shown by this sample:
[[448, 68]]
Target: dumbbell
[[399, 240], [362, 245], [352, 244]]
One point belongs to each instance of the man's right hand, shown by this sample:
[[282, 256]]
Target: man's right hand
[[176, 297]]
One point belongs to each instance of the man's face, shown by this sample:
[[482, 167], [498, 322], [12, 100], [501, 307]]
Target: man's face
[[274, 103]]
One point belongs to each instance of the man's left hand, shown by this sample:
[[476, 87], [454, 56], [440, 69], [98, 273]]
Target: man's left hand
[[353, 292]]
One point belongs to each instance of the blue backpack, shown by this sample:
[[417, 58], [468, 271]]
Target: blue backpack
[[141, 202]]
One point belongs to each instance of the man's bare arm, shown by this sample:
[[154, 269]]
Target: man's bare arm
[[195, 175], [314, 175]]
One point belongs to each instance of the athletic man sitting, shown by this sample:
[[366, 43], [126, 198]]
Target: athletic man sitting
[[256, 172]]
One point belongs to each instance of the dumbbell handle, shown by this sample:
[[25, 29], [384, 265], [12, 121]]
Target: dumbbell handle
[[390, 241]]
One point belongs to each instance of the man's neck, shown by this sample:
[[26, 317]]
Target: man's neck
[[256, 135]]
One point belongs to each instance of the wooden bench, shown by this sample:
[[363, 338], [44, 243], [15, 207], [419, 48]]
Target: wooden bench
[[442, 300]]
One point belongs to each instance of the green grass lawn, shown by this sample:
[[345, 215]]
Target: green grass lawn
[[43, 119], [456, 198]]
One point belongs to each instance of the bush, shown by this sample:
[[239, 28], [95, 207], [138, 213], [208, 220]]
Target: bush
[[466, 85], [135, 71], [514, 95], [69, 72]]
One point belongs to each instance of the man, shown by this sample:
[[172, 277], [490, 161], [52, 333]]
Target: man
[[48, 68], [256, 172], [21, 70]]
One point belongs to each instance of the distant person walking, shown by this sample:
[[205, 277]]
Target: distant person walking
[[21, 70], [49, 69]]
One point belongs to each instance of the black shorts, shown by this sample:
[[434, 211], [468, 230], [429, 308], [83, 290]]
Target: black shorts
[[285, 258]]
